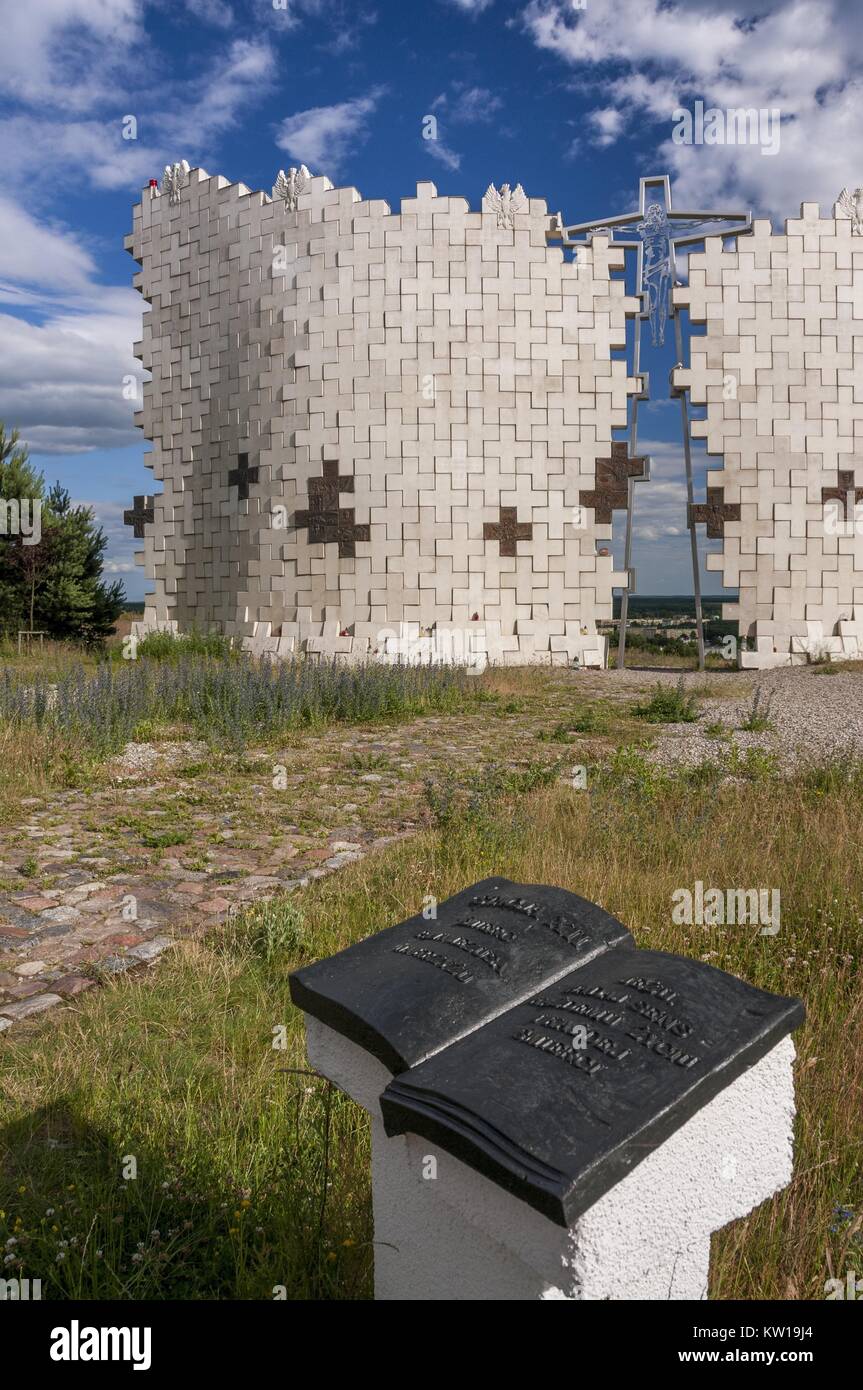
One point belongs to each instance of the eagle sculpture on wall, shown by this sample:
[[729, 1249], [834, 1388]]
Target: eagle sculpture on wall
[[505, 203]]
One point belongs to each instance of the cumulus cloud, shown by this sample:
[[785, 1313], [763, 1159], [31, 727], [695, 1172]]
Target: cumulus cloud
[[182, 120], [323, 136], [800, 58], [67, 54], [62, 380], [39, 254], [608, 124], [66, 355]]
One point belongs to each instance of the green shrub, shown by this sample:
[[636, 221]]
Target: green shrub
[[669, 705]]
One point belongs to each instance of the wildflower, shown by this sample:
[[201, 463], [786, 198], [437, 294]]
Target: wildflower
[[137, 1258], [10, 1242], [61, 1255], [349, 1241], [50, 1211]]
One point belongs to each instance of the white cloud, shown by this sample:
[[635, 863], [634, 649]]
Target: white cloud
[[800, 57], [217, 12], [62, 376], [633, 31], [63, 379], [608, 124], [181, 122], [39, 254], [442, 153], [66, 53], [217, 98], [468, 105], [120, 552], [68, 152], [471, 7], [323, 136]]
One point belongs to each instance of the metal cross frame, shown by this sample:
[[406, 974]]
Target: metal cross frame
[[656, 276]]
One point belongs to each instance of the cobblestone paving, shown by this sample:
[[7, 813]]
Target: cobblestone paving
[[174, 838]]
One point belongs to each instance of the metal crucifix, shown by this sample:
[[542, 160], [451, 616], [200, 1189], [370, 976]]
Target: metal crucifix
[[659, 230]]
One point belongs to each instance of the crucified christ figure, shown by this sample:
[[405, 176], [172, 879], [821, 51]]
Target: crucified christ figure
[[656, 237]]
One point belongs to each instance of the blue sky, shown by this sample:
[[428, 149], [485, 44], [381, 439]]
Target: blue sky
[[574, 103]]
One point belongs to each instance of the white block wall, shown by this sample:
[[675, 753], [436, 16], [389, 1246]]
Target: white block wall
[[779, 371], [450, 366]]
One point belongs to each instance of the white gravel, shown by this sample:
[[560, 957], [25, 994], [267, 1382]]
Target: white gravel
[[815, 717]]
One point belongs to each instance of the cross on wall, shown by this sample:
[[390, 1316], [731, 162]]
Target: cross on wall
[[140, 514], [715, 512], [611, 492], [327, 522], [508, 531], [846, 492], [241, 476]]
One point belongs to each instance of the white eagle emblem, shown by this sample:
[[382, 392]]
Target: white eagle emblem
[[290, 185], [851, 204], [174, 177], [506, 203]]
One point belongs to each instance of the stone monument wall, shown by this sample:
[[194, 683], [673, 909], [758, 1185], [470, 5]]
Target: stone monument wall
[[780, 372], [371, 426]]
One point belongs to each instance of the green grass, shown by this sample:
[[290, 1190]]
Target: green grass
[[758, 716], [256, 1176], [669, 704]]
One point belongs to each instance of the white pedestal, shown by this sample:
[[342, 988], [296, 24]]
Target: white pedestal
[[458, 1235]]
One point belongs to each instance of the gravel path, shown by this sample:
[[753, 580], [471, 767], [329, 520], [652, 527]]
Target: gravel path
[[814, 717]]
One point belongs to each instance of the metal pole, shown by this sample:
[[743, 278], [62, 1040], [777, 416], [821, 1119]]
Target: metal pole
[[630, 497], [690, 496]]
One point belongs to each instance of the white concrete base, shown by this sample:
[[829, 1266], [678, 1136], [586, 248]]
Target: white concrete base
[[457, 1235], [800, 648]]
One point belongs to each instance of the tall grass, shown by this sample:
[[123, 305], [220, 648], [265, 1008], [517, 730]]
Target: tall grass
[[218, 1118], [93, 713]]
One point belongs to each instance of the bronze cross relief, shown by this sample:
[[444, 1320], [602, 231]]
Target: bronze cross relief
[[241, 476], [846, 491], [611, 492], [508, 531], [715, 512], [327, 522], [139, 515]]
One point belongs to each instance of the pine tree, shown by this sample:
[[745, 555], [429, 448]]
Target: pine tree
[[57, 584]]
